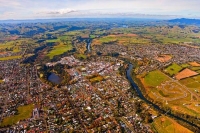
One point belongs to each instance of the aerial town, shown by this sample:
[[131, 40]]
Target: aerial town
[[114, 76]]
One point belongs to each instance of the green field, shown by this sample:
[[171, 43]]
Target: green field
[[195, 68], [165, 124], [24, 112], [59, 49], [10, 58], [81, 56], [173, 69], [184, 65], [193, 85], [155, 78], [124, 39], [192, 82], [92, 36]]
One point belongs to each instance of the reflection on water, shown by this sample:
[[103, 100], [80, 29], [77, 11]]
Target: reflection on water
[[54, 78]]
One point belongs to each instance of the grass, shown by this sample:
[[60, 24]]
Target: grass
[[123, 39], [96, 79], [184, 65], [24, 112], [193, 85], [186, 81], [155, 78], [197, 78], [59, 49], [173, 69], [195, 68], [52, 40], [164, 124], [198, 71], [81, 56], [92, 36], [10, 58]]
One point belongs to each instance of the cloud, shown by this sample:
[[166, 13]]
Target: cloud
[[76, 8], [9, 3], [58, 12]]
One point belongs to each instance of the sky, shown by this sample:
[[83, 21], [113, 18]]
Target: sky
[[42, 9]]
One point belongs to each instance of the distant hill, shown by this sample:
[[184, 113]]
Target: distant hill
[[186, 21]]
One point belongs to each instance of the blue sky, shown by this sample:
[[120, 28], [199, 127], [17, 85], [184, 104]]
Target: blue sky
[[35, 9]]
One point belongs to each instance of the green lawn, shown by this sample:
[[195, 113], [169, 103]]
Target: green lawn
[[198, 71], [197, 78], [81, 56], [155, 78], [195, 68], [59, 49], [186, 81], [173, 69], [24, 112], [53, 40], [92, 36], [10, 58], [185, 65], [193, 85]]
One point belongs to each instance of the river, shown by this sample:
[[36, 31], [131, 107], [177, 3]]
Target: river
[[134, 85], [88, 46]]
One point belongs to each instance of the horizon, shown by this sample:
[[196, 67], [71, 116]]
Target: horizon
[[157, 9]]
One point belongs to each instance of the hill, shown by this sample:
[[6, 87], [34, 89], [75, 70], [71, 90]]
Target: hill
[[186, 21]]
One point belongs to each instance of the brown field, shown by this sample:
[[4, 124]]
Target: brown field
[[194, 64], [185, 74], [163, 58]]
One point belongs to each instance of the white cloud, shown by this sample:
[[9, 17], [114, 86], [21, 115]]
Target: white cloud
[[76, 8], [57, 12]]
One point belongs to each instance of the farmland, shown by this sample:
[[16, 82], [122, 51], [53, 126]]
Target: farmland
[[59, 49], [150, 35], [123, 39], [173, 69]]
